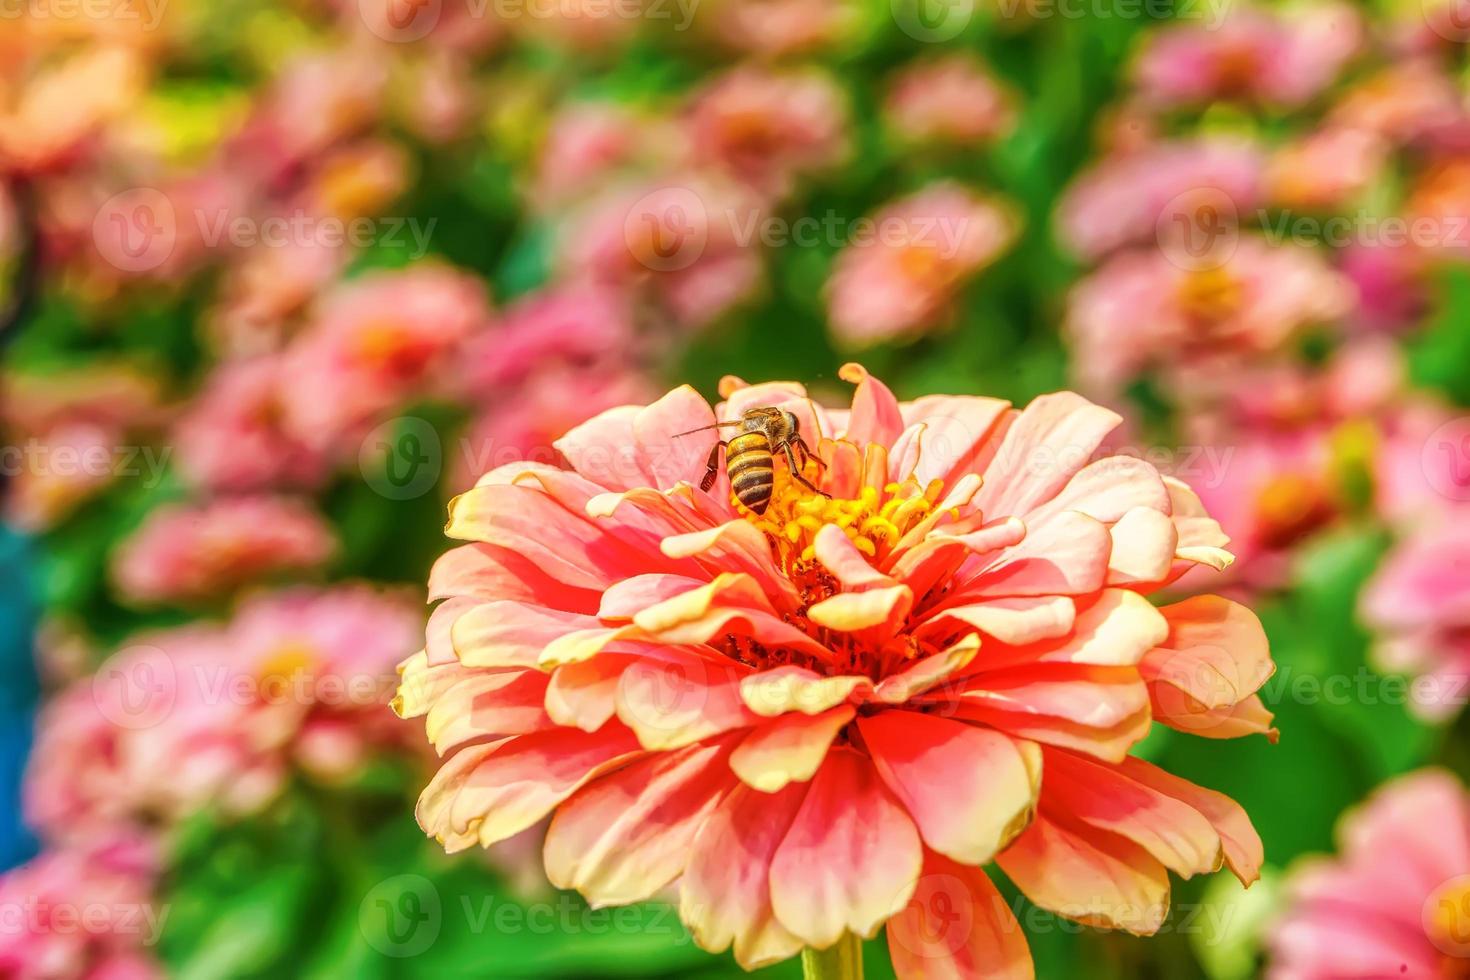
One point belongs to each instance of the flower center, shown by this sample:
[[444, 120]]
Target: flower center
[[1209, 295], [874, 520]]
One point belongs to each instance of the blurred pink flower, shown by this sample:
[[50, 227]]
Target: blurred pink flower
[[1132, 198], [782, 28], [47, 117], [953, 99], [1392, 902], [156, 735], [574, 324], [264, 287], [588, 144], [374, 343], [1326, 169], [1401, 102], [323, 663], [194, 552], [525, 422], [1281, 60], [1421, 472], [83, 914], [770, 128], [1392, 281], [688, 242], [1143, 309], [1419, 605], [53, 475], [900, 281], [231, 438]]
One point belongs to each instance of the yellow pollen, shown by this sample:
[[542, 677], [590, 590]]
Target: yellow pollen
[[286, 662], [874, 520], [1210, 295]]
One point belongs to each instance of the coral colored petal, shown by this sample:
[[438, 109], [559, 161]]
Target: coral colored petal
[[604, 449], [584, 695], [1216, 652], [625, 836], [850, 612], [673, 704], [1116, 630], [1098, 697], [1053, 438], [511, 634], [1066, 555], [1243, 850], [851, 858], [1109, 744], [668, 457], [957, 927], [624, 600], [438, 635], [488, 571], [790, 688], [1017, 621], [1091, 877], [875, 414], [789, 749], [1144, 543], [1105, 797], [840, 556], [970, 790], [952, 436], [488, 793], [732, 603], [725, 894], [1109, 488], [1177, 710], [486, 704], [928, 673]]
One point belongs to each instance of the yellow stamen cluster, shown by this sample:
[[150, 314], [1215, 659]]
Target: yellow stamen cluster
[[874, 520]]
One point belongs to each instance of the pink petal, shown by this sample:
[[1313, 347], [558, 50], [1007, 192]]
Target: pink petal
[[492, 572], [1066, 555], [970, 790], [1243, 850], [957, 927], [1053, 438], [789, 749], [625, 836], [875, 415], [604, 449], [671, 705], [668, 457], [725, 893], [511, 634], [1216, 653], [851, 858]]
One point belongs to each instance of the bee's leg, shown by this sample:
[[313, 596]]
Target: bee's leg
[[792, 465], [711, 467], [806, 452]]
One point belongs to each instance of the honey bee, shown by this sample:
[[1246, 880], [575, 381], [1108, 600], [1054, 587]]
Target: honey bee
[[750, 456]]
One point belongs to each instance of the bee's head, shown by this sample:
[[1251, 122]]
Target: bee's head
[[789, 419]]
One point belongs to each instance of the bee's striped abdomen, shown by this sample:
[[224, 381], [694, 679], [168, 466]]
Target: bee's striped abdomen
[[748, 461]]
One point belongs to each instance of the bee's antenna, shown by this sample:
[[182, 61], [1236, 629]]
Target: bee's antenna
[[705, 428]]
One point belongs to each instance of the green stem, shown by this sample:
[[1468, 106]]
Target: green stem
[[842, 961]]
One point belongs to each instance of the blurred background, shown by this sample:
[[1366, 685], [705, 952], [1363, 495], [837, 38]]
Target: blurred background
[[279, 278]]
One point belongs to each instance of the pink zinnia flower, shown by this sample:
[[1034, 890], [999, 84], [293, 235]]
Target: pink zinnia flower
[[1392, 902], [953, 100], [688, 242], [1144, 309], [900, 279], [783, 28], [231, 437], [194, 552], [1278, 60], [322, 662], [1419, 604], [83, 914], [770, 128], [1134, 197], [833, 714], [1325, 170], [375, 343], [155, 736], [589, 143]]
